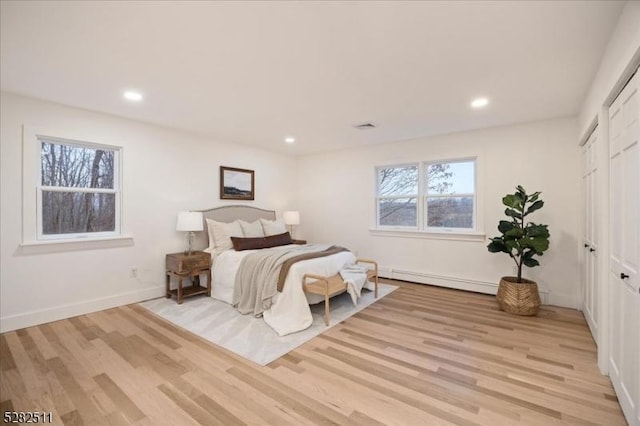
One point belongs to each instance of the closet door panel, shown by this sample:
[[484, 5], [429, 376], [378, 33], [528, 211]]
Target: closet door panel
[[624, 260]]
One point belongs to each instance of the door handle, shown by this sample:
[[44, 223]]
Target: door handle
[[591, 249], [623, 275]]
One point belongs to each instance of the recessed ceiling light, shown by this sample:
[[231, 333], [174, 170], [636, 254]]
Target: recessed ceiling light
[[479, 103], [132, 96], [289, 140]]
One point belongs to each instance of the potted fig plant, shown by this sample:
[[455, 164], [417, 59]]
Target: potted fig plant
[[521, 240]]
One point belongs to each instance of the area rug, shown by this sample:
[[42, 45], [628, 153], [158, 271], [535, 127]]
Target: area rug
[[248, 336]]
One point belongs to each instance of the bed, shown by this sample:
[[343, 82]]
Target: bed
[[289, 311]]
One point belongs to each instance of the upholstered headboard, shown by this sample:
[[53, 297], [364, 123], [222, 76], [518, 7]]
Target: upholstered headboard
[[229, 214]]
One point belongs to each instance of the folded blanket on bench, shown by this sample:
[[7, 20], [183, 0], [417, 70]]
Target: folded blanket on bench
[[354, 276]]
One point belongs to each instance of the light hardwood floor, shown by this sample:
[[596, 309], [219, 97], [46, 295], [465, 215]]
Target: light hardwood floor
[[423, 355]]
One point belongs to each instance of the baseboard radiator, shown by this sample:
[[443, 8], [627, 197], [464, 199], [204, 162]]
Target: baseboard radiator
[[449, 282]]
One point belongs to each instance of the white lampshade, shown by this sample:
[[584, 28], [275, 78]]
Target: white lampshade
[[291, 218], [189, 221]]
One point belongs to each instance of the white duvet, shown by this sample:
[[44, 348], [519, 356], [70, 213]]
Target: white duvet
[[290, 310]]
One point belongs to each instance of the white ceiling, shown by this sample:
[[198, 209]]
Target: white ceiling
[[255, 72]]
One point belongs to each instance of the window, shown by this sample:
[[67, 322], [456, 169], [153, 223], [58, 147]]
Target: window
[[78, 193], [447, 190], [449, 201], [397, 196]]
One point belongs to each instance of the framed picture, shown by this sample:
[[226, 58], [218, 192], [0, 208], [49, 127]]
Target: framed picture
[[236, 184]]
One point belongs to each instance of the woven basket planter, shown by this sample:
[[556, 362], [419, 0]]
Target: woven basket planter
[[518, 298]]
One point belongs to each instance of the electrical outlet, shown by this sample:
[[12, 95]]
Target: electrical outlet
[[134, 273]]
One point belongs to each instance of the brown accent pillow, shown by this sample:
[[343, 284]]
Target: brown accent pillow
[[240, 244], [278, 240]]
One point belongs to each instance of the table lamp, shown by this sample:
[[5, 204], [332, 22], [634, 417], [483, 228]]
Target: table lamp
[[189, 222], [291, 218]]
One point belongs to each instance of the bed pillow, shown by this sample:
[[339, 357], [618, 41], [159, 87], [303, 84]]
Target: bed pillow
[[273, 227], [240, 244], [220, 234], [279, 239], [251, 230]]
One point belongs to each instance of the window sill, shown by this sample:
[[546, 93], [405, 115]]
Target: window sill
[[444, 235], [50, 246]]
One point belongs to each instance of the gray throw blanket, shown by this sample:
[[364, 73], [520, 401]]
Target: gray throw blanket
[[256, 281]]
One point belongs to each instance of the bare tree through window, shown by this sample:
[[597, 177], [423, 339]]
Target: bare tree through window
[[398, 192], [78, 188], [449, 201]]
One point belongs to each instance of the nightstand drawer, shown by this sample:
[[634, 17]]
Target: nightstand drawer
[[182, 263]]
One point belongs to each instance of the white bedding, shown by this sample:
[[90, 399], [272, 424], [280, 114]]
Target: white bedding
[[290, 311]]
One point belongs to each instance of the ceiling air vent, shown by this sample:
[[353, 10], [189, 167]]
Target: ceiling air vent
[[365, 126]]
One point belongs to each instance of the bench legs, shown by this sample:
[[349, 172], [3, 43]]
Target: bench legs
[[327, 311], [324, 286], [333, 285]]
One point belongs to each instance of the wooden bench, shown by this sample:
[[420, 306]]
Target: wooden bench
[[334, 285]]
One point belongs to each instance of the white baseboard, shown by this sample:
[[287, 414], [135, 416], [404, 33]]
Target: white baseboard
[[454, 282], [28, 319]]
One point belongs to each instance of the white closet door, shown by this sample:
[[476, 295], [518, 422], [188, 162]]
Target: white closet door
[[624, 357], [590, 295]]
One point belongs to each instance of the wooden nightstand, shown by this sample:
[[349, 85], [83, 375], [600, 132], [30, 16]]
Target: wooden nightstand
[[300, 242], [181, 266]]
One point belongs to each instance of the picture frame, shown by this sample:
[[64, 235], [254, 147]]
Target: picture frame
[[236, 184]]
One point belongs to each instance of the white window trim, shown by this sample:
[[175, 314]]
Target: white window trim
[[435, 235], [32, 190], [476, 233], [54, 246]]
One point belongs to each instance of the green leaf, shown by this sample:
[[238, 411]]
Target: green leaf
[[513, 200], [497, 245], [534, 230], [534, 197], [535, 206], [512, 213], [530, 262], [537, 244], [505, 226], [512, 245], [514, 233], [520, 189]]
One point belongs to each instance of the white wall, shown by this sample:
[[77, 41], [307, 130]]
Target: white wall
[[336, 200], [623, 45], [165, 171]]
